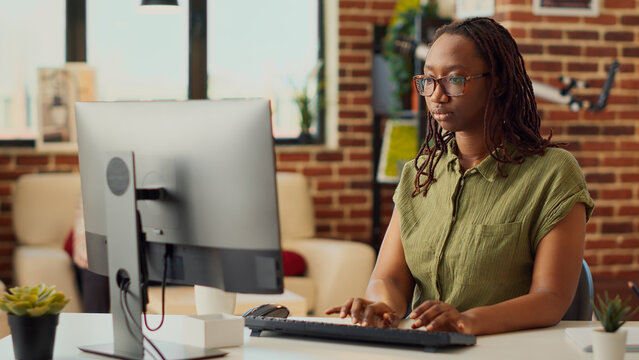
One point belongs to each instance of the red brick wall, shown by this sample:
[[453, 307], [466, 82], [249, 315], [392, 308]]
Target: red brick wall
[[605, 144]]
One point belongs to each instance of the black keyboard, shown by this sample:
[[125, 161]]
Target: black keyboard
[[429, 340]]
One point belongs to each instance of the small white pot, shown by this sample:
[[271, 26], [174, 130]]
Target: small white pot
[[609, 345]]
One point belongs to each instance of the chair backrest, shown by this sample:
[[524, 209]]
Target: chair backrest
[[581, 309], [44, 207], [296, 213]]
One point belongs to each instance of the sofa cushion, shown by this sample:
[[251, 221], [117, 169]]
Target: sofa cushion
[[295, 207]]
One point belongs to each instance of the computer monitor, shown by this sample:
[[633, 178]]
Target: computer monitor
[[186, 186]]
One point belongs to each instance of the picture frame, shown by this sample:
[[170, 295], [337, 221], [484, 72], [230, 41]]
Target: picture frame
[[474, 8], [58, 90], [588, 8], [399, 145]]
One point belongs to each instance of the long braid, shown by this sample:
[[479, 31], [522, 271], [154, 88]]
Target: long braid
[[511, 111]]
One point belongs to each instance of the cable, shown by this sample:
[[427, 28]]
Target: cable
[[164, 271], [128, 312]]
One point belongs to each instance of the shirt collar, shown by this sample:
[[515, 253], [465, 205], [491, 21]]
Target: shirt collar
[[487, 168]]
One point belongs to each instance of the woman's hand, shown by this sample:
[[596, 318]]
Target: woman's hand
[[440, 316], [367, 313]]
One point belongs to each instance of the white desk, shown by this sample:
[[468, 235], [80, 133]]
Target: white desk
[[547, 344]]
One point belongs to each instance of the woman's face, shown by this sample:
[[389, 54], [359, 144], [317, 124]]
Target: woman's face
[[457, 55]]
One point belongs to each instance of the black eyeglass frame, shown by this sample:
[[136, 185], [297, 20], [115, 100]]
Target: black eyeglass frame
[[422, 79]]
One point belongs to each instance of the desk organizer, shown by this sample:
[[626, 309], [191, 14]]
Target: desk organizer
[[213, 330]]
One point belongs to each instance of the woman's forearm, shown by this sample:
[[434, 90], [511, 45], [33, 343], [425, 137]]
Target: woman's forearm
[[533, 310], [387, 291]]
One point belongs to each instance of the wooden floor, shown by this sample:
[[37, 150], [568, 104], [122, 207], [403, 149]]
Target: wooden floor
[[614, 287]]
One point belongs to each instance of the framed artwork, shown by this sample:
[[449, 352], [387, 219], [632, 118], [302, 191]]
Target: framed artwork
[[588, 8], [399, 145], [58, 90], [474, 8]]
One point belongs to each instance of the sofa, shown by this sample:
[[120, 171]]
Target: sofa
[[43, 214]]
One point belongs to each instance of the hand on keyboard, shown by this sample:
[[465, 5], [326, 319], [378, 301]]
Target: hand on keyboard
[[367, 313], [440, 316]]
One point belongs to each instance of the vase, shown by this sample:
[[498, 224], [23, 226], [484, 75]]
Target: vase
[[609, 345], [305, 138], [33, 337]]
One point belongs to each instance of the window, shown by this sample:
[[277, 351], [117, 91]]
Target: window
[[268, 49], [32, 36], [137, 56]]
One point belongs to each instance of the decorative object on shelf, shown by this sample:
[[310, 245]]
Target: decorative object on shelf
[[609, 343], [589, 8], [309, 104], [399, 145], [58, 90], [33, 317], [401, 27]]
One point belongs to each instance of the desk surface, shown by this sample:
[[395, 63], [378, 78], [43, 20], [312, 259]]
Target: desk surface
[[547, 344]]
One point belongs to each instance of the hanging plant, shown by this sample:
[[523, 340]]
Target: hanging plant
[[402, 26]]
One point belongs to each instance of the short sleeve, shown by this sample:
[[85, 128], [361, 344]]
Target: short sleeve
[[565, 186], [402, 198]]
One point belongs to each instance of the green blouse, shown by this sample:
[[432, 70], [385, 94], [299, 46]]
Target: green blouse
[[472, 240]]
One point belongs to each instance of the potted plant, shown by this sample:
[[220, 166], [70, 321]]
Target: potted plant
[[609, 343], [33, 317], [304, 103]]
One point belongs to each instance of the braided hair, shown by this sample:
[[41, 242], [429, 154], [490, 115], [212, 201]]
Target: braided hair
[[511, 111]]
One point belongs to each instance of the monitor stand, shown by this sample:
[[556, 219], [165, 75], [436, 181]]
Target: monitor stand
[[126, 265]]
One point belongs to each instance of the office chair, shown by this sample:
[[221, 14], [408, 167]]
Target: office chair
[[580, 308]]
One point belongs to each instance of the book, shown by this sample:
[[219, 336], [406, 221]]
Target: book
[[582, 337]]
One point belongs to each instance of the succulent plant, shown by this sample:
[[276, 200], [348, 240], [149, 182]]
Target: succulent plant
[[612, 313], [33, 301]]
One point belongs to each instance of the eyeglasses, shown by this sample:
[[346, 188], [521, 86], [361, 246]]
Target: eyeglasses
[[452, 85]]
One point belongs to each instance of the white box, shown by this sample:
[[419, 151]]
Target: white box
[[213, 330]]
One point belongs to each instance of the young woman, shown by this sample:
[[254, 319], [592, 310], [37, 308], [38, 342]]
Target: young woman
[[489, 222]]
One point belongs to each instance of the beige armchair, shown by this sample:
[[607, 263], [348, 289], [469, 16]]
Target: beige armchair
[[44, 206]]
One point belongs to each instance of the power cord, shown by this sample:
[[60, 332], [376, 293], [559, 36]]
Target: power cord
[[164, 271]]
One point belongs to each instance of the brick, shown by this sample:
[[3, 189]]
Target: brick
[[629, 145], [352, 199], [582, 130], [331, 185], [360, 156], [564, 50], [598, 145], [293, 157], [616, 227], [602, 20], [352, 59], [363, 185], [322, 200], [629, 84], [603, 211], [591, 228], [329, 156], [5, 160], [631, 52], [357, 18], [317, 171], [562, 115], [600, 178], [384, 5], [632, 115], [12, 174], [629, 178], [352, 142], [352, 32], [546, 34], [587, 161], [616, 194], [545, 66], [361, 46], [583, 67], [620, 4], [352, 4], [362, 73], [368, 129], [619, 130], [361, 214], [583, 35], [353, 114], [517, 32], [353, 171], [522, 16], [530, 49], [32, 160], [362, 100], [591, 260], [618, 161], [619, 36], [353, 87], [601, 115], [617, 259], [630, 20], [618, 99], [625, 68], [66, 160], [629, 210], [343, 228], [629, 243], [600, 244], [573, 146], [601, 51]]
